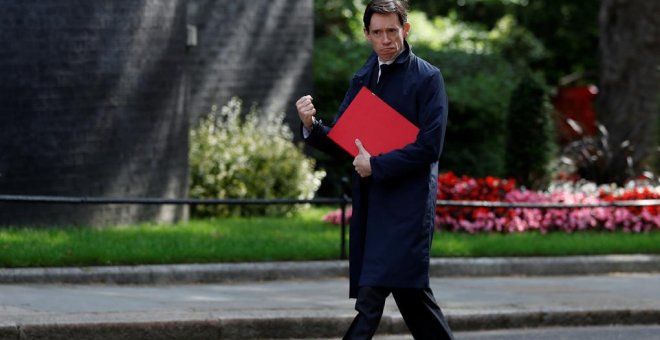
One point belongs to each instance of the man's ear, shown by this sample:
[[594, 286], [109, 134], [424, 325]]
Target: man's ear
[[406, 29], [366, 32]]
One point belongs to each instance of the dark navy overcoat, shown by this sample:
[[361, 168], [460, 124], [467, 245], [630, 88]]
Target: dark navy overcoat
[[394, 209]]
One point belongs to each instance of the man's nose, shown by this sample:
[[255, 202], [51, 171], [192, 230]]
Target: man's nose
[[386, 39]]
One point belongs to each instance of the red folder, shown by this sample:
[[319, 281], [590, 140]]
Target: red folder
[[377, 125]]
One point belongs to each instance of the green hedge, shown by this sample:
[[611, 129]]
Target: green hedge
[[530, 138], [479, 87]]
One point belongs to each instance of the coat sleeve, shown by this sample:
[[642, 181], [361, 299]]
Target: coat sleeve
[[432, 106], [318, 137]]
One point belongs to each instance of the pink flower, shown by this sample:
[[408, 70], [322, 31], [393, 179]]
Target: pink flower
[[334, 217]]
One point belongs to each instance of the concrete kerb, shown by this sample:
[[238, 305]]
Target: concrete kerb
[[545, 266], [246, 272], [302, 327], [8, 332], [203, 329], [180, 273]]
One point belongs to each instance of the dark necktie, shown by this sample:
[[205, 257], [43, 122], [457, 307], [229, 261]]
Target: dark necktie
[[375, 84]]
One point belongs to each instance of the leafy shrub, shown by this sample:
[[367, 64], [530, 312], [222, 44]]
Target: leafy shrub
[[478, 87], [530, 134], [254, 157], [591, 157], [481, 69]]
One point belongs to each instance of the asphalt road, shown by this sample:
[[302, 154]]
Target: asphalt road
[[557, 333], [566, 333]]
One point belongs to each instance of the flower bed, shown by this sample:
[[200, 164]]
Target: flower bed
[[464, 188], [473, 220]]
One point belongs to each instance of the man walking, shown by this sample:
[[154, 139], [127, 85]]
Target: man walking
[[394, 193]]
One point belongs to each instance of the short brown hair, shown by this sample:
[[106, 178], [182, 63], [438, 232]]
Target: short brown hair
[[400, 7]]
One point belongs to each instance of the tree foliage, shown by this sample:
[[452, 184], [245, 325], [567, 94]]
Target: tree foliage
[[567, 29]]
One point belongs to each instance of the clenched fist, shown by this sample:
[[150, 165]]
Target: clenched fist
[[306, 111]]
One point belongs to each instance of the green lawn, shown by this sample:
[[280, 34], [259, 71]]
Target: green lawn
[[303, 237], [448, 244]]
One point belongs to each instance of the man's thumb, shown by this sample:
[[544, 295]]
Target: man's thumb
[[360, 147]]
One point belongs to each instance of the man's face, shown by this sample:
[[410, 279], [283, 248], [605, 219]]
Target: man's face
[[386, 35]]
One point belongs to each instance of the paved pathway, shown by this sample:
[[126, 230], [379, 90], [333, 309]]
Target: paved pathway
[[314, 308]]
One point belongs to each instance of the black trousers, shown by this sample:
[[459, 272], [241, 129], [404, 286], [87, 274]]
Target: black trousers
[[420, 312]]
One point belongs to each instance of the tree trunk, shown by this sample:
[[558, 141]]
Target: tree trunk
[[629, 91]]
